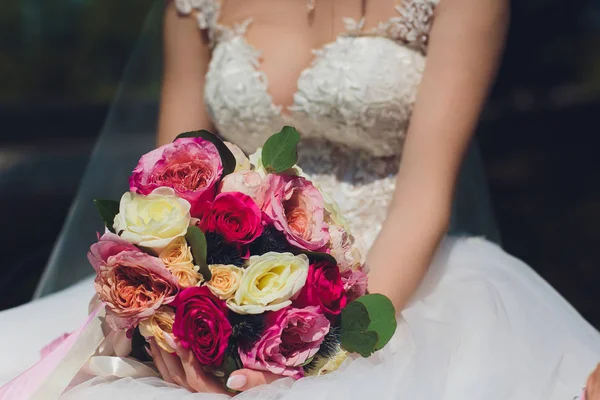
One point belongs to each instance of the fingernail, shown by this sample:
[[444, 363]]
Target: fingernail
[[236, 382], [148, 351], [170, 341]]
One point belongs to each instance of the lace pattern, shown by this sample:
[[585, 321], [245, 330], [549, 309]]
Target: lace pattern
[[352, 105]]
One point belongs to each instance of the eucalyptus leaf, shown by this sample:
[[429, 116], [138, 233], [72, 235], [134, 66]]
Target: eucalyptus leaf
[[280, 151], [107, 209], [227, 157], [368, 324], [197, 241]]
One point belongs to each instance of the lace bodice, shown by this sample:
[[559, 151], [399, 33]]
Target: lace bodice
[[352, 104]]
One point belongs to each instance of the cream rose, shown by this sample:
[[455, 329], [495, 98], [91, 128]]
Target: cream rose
[[323, 365], [242, 163], [225, 280], [157, 325], [269, 282], [152, 221]]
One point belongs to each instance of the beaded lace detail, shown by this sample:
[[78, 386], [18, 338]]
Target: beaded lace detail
[[352, 106]]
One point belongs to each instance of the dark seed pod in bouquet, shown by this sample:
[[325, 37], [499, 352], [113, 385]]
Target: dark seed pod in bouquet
[[138, 344], [246, 329], [220, 252], [331, 343], [270, 240]]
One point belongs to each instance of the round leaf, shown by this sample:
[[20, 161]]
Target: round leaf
[[280, 151], [368, 324]]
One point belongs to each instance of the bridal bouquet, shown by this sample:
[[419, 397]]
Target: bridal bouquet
[[242, 260]]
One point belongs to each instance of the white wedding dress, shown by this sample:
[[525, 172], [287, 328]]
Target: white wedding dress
[[482, 325]]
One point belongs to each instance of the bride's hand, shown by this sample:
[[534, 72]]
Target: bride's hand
[[184, 370], [592, 388]]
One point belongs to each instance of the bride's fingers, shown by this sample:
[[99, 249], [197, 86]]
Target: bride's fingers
[[197, 379], [175, 367], [245, 379], [159, 362]]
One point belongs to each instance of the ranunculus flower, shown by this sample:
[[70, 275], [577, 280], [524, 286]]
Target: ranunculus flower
[[355, 284], [295, 206], [157, 325], [225, 280], [324, 288], [242, 163], [191, 166], [269, 282], [291, 338], [152, 221], [247, 182], [201, 325], [133, 284], [345, 248], [178, 258], [235, 216]]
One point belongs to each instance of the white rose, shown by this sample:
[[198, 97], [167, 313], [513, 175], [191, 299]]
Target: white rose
[[269, 282], [247, 182], [242, 163], [152, 221]]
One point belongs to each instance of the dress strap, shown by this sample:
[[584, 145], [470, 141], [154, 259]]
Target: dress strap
[[206, 13]]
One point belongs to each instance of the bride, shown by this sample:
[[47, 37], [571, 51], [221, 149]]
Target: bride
[[386, 94]]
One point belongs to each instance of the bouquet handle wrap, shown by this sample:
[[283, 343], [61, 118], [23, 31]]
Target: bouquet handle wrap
[[49, 377]]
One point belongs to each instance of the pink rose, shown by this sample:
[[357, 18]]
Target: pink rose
[[235, 216], [296, 208], [324, 288], [133, 284], [355, 284], [201, 324], [292, 336], [345, 248], [191, 166], [247, 182]]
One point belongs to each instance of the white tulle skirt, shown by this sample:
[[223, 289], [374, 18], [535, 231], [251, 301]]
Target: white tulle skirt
[[483, 325]]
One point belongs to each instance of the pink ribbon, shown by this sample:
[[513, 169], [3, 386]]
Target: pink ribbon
[[50, 376]]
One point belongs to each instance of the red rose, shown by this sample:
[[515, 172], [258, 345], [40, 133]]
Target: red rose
[[201, 324], [235, 216], [324, 288]]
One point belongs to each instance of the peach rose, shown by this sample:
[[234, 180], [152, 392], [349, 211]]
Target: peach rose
[[157, 325], [225, 280], [177, 256], [295, 206], [132, 283]]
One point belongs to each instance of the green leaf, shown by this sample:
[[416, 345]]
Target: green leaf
[[280, 151], [227, 157], [197, 241], [368, 324], [231, 362], [107, 209]]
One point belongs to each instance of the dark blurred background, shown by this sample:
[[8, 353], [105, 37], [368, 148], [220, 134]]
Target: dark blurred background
[[60, 65]]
